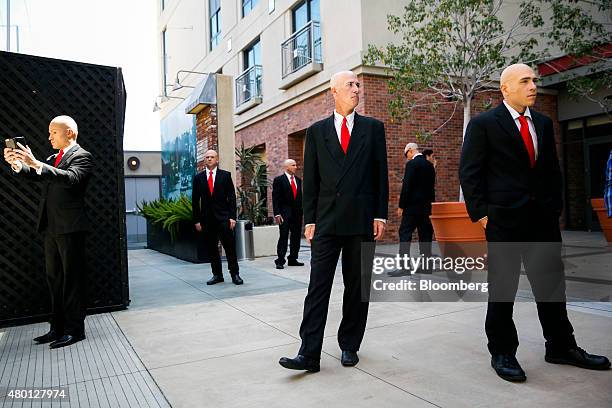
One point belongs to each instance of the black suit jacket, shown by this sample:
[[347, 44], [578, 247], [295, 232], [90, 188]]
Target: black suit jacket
[[495, 172], [343, 194], [418, 187], [283, 202], [219, 207], [62, 207]]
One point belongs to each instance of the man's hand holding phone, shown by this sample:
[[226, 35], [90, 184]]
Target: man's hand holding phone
[[10, 153]]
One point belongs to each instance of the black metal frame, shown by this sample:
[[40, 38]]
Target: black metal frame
[[34, 90]]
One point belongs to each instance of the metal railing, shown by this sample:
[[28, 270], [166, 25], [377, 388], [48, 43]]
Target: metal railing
[[302, 48], [248, 85]]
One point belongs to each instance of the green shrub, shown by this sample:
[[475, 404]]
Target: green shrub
[[167, 213]]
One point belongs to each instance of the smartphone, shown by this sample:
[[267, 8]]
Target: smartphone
[[12, 142]]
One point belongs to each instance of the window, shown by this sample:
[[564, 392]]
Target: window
[[305, 45], [164, 63], [165, 3], [248, 84], [215, 23], [247, 6], [252, 55], [304, 13]]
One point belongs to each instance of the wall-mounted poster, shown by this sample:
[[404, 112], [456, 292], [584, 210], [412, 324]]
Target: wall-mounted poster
[[178, 152]]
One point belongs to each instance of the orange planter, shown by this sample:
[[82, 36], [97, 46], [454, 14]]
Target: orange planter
[[456, 234], [602, 215]]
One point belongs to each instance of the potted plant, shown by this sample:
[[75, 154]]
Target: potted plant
[[252, 200], [605, 222], [170, 229]]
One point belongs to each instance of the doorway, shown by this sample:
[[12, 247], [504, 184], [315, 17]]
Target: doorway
[[137, 190]]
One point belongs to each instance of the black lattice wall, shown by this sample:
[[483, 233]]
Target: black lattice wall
[[33, 90]]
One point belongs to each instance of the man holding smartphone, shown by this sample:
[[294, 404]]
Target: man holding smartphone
[[63, 220]]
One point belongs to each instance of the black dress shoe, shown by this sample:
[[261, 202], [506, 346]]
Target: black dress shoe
[[237, 280], [507, 367], [47, 338], [349, 358], [300, 363], [280, 267], [579, 358], [398, 272], [295, 263], [215, 279], [66, 340]]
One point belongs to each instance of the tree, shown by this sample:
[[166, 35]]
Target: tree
[[581, 29], [451, 50]]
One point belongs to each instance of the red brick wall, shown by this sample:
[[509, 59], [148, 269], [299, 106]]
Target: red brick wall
[[206, 133], [283, 135]]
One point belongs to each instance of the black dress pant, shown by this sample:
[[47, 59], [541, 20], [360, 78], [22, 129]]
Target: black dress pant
[[324, 258], [213, 232], [422, 224], [534, 239], [290, 229], [67, 280]]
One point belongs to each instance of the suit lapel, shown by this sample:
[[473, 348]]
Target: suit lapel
[[287, 186], [67, 155], [356, 143], [332, 143], [215, 182], [539, 132], [205, 181], [506, 122]]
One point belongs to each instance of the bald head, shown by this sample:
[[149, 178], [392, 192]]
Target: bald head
[[512, 71], [518, 86], [340, 77], [63, 132], [211, 158], [290, 166], [410, 150], [66, 122], [344, 87]]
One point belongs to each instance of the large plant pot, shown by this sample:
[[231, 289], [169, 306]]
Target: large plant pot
[[188, 246], [265, 238], [602, 215], [456, 234]]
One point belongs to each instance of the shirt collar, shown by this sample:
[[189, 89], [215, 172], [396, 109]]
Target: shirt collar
[[68, 148], [417, 154], [214, 170], [288, 175], [515, 114], [350, 118]]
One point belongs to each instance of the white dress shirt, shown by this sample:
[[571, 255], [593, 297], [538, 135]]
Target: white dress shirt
[[532, 132], [338, 119], [289, 178], [214, 174]]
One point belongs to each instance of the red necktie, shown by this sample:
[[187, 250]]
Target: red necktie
[[294, 188], [527, 139], [344, 136], [210, 181], [58, 158]]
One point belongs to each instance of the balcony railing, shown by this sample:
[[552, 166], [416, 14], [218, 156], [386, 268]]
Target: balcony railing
[[302, 48], [248, 85]]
